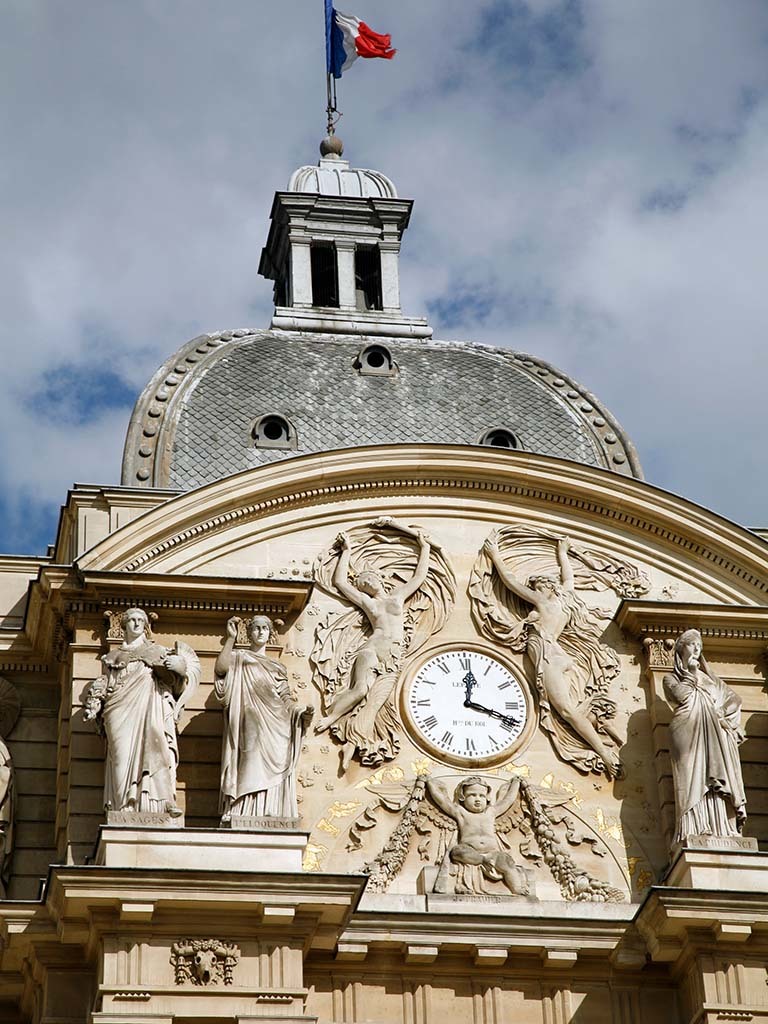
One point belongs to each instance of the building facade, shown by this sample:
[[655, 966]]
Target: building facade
[[374, 693]]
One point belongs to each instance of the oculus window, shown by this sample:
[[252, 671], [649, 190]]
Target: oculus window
[[274, 431]]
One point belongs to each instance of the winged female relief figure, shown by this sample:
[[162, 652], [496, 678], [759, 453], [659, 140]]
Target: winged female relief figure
[[573, 669], [400, 597]]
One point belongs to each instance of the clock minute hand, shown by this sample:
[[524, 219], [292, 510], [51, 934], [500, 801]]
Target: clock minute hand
[[469, 684], [506, 719]]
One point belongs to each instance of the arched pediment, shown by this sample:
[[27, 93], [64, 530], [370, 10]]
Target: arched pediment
[[233, 527]]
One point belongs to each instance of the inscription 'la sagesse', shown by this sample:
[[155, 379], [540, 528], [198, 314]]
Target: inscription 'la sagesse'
[[467, 705]]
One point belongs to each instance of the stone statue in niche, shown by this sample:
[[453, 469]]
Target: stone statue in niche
[[705, 733], [263, 729], [137, 704], [534, 607], [10, 708], [402, 589], [478, 853]]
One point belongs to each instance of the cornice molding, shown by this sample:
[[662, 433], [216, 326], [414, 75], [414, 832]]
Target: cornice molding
[[436, 471], [720, 625], [192, 593]]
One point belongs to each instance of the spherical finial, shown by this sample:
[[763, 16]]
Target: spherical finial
[[331, 147]]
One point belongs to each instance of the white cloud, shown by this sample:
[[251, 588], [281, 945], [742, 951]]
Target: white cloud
[[146, 140]]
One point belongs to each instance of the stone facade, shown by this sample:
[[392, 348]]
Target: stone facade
[[464, 653]]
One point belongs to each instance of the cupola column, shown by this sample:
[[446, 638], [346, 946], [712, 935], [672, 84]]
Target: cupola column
[[390, 275], [301, 271], [345, 253]]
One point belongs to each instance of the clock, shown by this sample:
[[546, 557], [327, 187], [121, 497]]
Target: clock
[[466, 707]]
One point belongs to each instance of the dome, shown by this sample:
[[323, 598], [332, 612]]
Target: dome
[[334, 177], [231, 401]]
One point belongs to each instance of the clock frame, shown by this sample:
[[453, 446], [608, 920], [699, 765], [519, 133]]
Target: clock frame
[[502, 683]]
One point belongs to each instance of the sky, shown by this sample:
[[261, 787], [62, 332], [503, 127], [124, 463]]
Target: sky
[[589, 180]]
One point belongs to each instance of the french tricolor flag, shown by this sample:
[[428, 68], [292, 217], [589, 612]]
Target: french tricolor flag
[[347, 38]]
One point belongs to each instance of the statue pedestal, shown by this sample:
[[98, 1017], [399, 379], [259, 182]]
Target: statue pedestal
[[244, 823], [200, 849], [430, 884], [713, 865], [144, 819]]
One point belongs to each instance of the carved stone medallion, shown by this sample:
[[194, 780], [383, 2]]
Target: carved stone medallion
[[204, 961]]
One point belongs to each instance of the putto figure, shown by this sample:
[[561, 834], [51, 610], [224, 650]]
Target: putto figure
[[705, 733], [137, 703], [400, 598], [263, 728], [546, 618], [478, 845]]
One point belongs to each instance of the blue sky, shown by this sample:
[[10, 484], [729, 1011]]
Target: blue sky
[[589, 180]]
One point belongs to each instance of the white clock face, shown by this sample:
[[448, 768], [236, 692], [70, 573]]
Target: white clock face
[[466, 706]]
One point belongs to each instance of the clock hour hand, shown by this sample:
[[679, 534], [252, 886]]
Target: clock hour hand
[[506, 719]]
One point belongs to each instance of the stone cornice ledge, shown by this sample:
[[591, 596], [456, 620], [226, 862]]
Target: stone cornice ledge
[[721, 626], [84, 901], [552, 930], [287, 597], [440, 470], [671, 920]]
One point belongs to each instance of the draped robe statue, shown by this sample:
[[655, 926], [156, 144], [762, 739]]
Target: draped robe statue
[[10, 708], [705, 733], [138, 702], [263, 729]]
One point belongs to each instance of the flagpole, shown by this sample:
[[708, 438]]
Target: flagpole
[[331, 108]]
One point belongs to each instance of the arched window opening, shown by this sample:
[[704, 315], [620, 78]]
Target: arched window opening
[[500, 437], [274, 431], [376, 360]]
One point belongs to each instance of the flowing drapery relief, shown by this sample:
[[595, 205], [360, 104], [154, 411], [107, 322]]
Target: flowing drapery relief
[[402, 588], [137, 703], [523, 590], [704, 733], [263, 728]]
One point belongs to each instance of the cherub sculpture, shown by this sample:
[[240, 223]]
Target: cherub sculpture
[[478, 845], [358, 655]]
